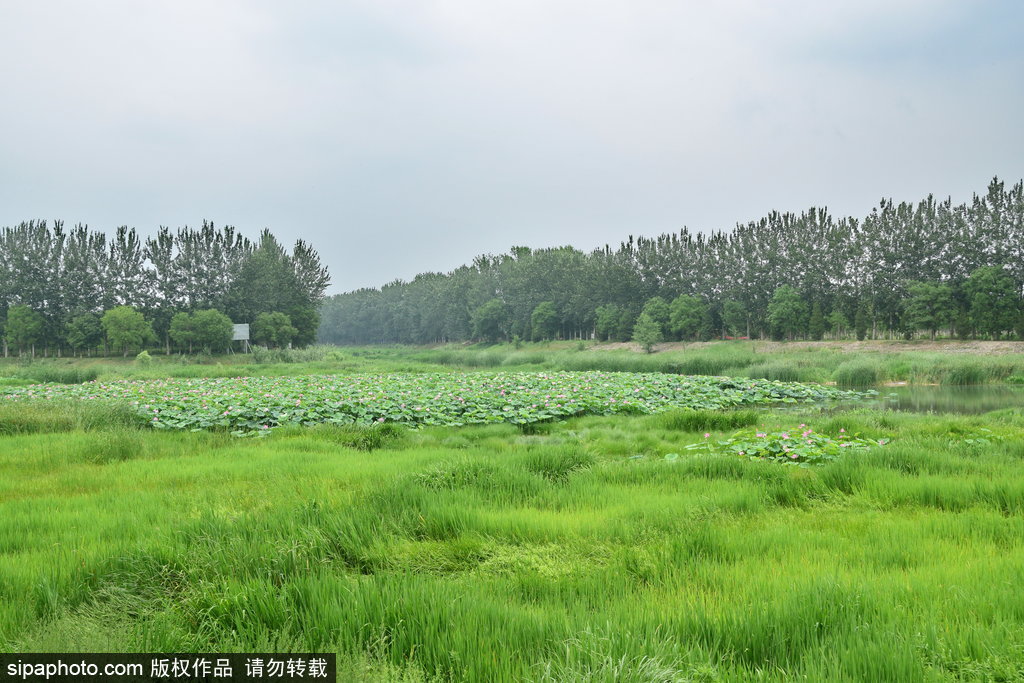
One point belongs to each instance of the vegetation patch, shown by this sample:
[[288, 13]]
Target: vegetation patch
[[253, 405], [800, 446]]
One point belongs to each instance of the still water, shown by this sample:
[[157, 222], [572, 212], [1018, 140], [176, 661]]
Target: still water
[[947, 399]]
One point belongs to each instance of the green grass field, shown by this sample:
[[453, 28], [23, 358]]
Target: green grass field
[[560, 551], [825, 362]]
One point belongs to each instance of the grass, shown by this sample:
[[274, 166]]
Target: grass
[[573, 551], [897, 362]]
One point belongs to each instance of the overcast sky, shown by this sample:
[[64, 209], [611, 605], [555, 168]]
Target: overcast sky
[[402, 137]]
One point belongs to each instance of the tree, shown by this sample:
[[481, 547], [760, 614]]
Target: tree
[[710, 324], [24, 328], [490, 321], [182, 330], [306, 321], [816, 326], [837, 323], [85, 332], [787, 313], [212, 330], [734, 318], [929, 306], [993, 300], [273, 329], [269, 280], [647, 332], [658, 310], [860, 321], [544, 321], [685, 316], [126, 328], [606, 321]]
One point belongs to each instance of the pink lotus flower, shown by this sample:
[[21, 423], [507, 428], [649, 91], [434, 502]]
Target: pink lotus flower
[[707, 435]]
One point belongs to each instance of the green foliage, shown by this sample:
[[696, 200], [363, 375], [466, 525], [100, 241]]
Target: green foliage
[[929, 306], [657, 309], [182, 330], [273, 330], [800, 446], [647, 332], [24, 327], [607, 321], [144, 359], [787, 312], [212, 330], [861, 321], [272, 281], [85, 332], [255, 405], [490, 321], [734, 318], [816, 325], [838, 322], [126, 328], [685, 316], [544, 321], [994, 304]]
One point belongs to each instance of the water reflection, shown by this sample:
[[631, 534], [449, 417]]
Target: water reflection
[[943, 399]]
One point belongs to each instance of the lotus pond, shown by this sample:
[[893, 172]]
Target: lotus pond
[[248, 405]]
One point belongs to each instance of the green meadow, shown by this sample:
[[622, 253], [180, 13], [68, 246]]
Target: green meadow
[[947, 363], [599, 548]]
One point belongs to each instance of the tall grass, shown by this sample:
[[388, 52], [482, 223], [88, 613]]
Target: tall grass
[[25, 417], [897, 363], [578, 553]]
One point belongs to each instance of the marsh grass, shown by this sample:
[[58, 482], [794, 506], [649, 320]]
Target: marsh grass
[[575, 553], [34, 418], [898, 362]]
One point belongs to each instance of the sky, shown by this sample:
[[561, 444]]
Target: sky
[[406, 137]]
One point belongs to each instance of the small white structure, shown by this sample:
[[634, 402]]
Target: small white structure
[[241, 333]]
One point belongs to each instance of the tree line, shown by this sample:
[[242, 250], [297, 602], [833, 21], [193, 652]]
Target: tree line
[[76, 290], [909, 269]]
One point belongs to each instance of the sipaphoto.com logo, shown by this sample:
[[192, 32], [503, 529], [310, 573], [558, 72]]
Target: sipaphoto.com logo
[[79, 669], [168, 668]]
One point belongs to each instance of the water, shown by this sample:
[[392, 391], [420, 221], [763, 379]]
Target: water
[[969, 400]]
